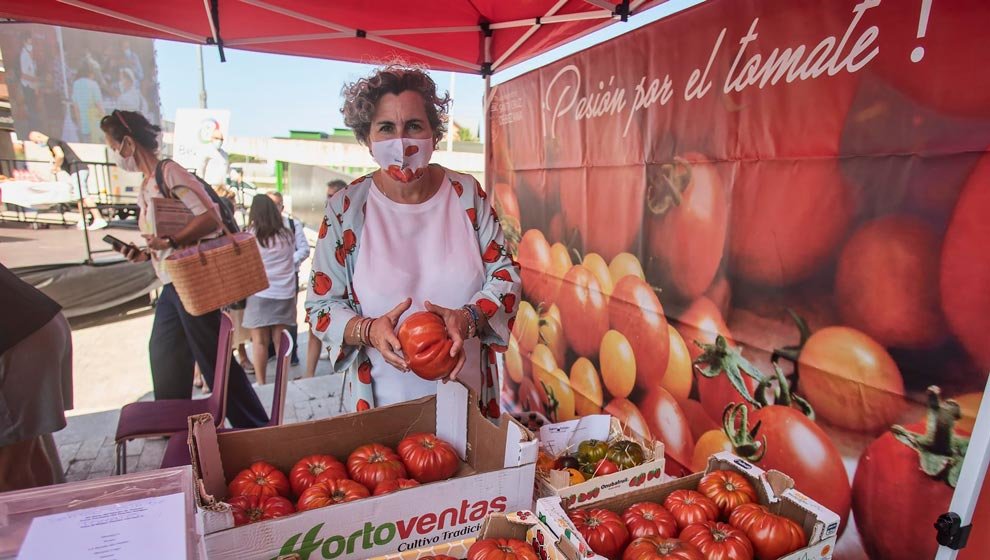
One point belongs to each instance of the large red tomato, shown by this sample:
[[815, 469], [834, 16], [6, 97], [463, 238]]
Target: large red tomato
[[966, 266], [250, 509], [850, 380], [659, 548], [331, 492], [260, 479], [689, 507], [746, 515], [945, 52], [606, 208], [774, 536], [373, 463], [917, 481], [428, 458], [689, 212], [884, 284], [635, 311], [719, 541], [603, 530], [501, 549], [647, 519], [702, 323], [389, 486], [426, 345], [307, 469], [583, 311], [787, 219], [794, 444], [729, 489], [668, 424]]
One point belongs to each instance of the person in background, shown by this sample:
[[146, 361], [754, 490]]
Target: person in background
[[300, 255], [215, 163], [130, 98], [314, 348], [334, 186], [87, 102], [64, 159], [178, 338], [411, 236], [30, 83], [35, 384], [273, 309]]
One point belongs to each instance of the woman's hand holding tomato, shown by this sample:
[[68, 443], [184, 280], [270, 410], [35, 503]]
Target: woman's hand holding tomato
[[456, 321], [383, 339]]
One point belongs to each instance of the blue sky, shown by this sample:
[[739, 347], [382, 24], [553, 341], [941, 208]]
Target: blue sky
[[268, 95]]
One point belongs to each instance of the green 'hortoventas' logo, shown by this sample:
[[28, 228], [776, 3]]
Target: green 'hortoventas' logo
[[372, 535]]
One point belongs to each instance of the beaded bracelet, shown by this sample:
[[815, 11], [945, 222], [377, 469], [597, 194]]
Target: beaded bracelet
[[473, 323]]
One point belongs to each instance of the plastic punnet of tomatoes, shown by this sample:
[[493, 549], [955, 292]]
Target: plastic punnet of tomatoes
[[591, 458], [733, 507]]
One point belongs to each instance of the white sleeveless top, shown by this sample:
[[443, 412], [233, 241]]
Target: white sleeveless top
[[427, 251]]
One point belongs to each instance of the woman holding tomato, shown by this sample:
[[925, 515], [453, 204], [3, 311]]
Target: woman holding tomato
[[409, 237]]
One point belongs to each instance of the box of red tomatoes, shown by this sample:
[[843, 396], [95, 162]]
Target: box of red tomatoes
[[732, 510], [518, 533], [388, 480], [592, 458]]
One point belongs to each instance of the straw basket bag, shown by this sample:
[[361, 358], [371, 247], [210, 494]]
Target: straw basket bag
[[217, 272]]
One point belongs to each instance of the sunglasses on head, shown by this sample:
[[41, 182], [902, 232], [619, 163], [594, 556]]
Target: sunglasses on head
[[120, 116]]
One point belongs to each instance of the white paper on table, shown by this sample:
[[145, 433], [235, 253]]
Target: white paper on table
[[145, 529], [564, 437]]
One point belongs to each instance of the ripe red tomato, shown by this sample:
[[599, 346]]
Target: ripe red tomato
[[689, 216], [689, 507], [719, 541], [647, 519], [790, 437], [309, 468], [702, 322], [251, 509], [501, 549], [774, 536], [635, 311], [426, 345], [890, 478], [884, 284], [373, 463], [601, 468], [389, 486], [583, 311], [966, 267], [851, 380], [260, 479], [602, 529], [331, 492], [658, 548], [745, 515], [606, 208], [428, 458], [729, 489], [788, 247], [668, 424]]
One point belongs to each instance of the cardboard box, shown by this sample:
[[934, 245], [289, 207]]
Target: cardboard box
[[520, 525], [496, 476], [775, 490], [556, 483], [18, 509]]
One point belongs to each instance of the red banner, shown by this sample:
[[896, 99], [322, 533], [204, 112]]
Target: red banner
[[750, 185]]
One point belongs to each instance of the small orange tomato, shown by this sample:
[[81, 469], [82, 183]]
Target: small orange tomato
[[527, 327], [678, 377], [575, 476], [618, 364], [514, 361], [587, 388], [625, 264]]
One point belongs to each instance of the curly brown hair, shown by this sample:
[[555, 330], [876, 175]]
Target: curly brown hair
[[361, 98]]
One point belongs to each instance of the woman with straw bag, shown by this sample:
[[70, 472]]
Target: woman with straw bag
[[178, 338]]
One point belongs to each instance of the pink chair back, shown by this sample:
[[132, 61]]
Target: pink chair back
[[281, 378], [218, 398]]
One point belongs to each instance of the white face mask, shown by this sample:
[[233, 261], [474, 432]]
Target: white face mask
[[126, 163], [403, 159]]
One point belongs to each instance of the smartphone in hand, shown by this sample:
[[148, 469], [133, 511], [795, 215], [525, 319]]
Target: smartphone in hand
[[117, 244]]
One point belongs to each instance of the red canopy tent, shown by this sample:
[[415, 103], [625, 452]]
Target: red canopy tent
[[473, 36]]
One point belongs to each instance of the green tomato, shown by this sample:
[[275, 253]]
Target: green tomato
[[625, 454], [591, 451]]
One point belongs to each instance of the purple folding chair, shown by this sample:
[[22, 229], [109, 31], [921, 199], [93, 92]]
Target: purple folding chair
[[177, 450], [147, 419]]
